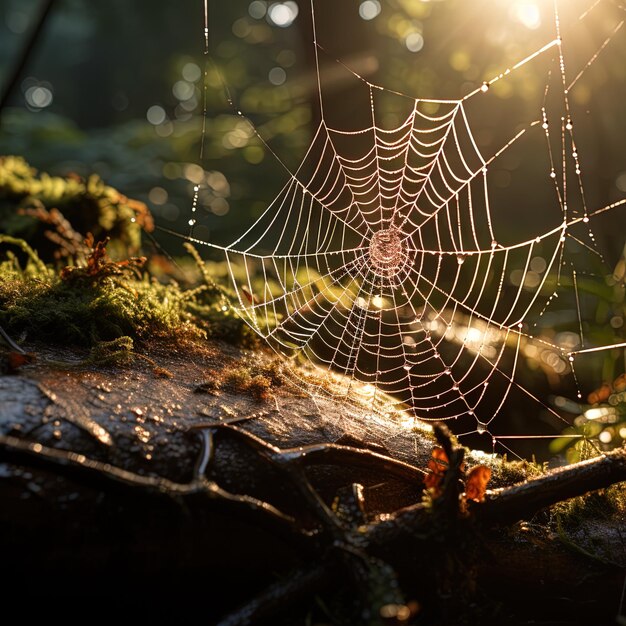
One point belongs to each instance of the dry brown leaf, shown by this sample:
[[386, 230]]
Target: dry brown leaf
[[476, 483], [252, 299], [100, 266], [601, 394], [15, 360], [619, 384], [437, 465]]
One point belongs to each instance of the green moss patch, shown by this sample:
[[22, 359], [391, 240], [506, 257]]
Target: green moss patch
[[258, 380], [103, 300], [32, 201]]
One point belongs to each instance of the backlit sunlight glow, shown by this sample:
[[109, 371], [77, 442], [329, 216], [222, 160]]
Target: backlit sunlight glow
[[381, 259], [527, 13]]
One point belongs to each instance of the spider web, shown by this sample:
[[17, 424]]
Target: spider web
[[380, 260]]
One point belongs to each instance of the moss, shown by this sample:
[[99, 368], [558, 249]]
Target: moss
[[116, 352], [79, 308], [37, 265], [214, 305], [247, 380], [505, 472], [581, 522], [259, 387], [258, 380], [102, 300], [587, 524], [28, 200], [608, 502], [95, 300]]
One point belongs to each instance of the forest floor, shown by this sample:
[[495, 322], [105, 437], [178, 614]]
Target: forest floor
[[70, 522], [157, 463]]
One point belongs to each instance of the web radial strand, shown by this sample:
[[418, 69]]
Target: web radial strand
[[349, 306], [379, 259]]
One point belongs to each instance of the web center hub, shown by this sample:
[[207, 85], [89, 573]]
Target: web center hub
[[387, 252]]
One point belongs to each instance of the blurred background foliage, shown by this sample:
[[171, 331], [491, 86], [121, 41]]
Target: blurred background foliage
[[117, 89]]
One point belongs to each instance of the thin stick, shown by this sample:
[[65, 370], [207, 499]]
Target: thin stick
[[10, 341], [25, 54]]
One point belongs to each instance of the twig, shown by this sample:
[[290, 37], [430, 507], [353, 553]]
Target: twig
[[78, 415], [405, 533], [10, 341], [507, 505], [402, 532], [206, 454], [328, 454], [25, 53], [91, 472]]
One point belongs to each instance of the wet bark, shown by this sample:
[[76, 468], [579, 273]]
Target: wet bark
[[136, 485]]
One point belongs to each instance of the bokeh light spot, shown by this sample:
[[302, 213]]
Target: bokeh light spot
[[282, 14], [527, 13], [158, 195], [38, 97], [277, 76], [369, 9], [183, 90], [156, 115], [414, 42], [257, 9], [253, 154], [220, 206], [191, 72]]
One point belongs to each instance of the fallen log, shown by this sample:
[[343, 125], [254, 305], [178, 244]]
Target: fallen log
[[238, 501]]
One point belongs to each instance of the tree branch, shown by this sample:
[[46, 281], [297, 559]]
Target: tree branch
[[507, 505]]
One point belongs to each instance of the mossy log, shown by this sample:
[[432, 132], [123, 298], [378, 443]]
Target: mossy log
[[197, 479]]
